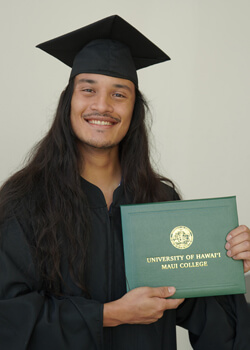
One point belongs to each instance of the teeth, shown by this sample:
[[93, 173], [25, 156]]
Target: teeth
[[99, 122]]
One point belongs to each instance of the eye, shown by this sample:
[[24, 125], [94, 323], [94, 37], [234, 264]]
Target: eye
[[119, 95], [88, 90]]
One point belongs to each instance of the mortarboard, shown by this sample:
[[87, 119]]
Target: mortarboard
[[110, 46]]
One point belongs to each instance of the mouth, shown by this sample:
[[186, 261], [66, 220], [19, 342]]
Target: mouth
[[100, 120]]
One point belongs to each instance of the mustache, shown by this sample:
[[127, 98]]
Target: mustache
[[102, 115]]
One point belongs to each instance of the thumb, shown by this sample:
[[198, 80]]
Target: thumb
[[163, 292]]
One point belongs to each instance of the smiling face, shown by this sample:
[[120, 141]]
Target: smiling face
[[101, 110]]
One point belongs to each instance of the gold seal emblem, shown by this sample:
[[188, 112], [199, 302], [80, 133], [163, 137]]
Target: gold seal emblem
[[181, 237]]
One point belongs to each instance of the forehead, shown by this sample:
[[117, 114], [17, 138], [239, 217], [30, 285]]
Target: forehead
[[104, 80]]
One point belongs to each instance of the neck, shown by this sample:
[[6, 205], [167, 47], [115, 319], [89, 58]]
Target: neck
[[102, 168]]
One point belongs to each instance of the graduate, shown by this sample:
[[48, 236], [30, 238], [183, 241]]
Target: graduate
[[62, 278]]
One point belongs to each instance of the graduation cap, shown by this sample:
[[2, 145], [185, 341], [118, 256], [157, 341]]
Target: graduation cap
[[110, 46]]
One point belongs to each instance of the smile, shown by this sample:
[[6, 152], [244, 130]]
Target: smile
[[99, 122]]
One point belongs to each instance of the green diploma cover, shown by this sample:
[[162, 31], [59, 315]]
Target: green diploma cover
[[182, 244]]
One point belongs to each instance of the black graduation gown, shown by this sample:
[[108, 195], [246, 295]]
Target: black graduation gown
[[32, 319]]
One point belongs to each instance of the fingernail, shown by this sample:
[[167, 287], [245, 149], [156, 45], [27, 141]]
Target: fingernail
[[171, 290], [228, 237], [227, 246], [229, 253]]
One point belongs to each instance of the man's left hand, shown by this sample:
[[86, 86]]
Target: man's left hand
[[238, 245]]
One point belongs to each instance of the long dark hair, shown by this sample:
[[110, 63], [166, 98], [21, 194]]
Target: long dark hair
[[49, 186], [140, 178]]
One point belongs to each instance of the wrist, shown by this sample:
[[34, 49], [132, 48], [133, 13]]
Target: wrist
[[112, 314]]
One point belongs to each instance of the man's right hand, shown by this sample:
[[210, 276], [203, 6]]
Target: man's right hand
[[142, 305]]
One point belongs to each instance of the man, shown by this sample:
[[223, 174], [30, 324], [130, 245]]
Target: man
[[62, 279]]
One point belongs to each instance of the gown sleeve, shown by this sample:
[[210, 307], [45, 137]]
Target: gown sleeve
[[33, 320], [221, 322]]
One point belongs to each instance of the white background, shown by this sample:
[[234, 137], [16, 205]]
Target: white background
[[199, 100]]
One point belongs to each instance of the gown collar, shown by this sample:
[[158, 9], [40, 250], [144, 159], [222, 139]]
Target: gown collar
[[96, 198]]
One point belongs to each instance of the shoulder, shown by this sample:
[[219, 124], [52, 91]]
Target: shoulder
[[16, 260], [169, 192], [13, 241], [17, 218], [12, 234]]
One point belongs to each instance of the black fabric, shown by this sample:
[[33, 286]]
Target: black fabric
[[34, 320], [134, 51], [107, 57]]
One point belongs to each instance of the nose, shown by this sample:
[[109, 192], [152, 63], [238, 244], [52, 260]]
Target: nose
[[102, 104]]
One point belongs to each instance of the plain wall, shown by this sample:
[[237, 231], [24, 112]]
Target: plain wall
[[199, 100]]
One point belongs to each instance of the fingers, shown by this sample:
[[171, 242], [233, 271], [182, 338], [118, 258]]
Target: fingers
[[160, 306], [238, 242], [237, 232], [164, 293], [161, 295], [239, 250], [238, 245], [161, 292], [170, 304], [145, 305]]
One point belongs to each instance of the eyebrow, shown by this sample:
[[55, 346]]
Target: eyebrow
[[91, 81], [122, 86]]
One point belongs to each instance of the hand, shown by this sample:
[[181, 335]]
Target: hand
[[142, 305], [238, 245]]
